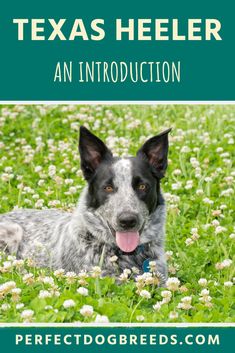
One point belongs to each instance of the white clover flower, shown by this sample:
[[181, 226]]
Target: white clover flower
[[172, 269], [54, 203], [5, 307], [195, 236], [186, 300], [228, 284], [145, 294], [219, 149], [44, 294], [207, 201], [227, 263], [215, 223], [123, 277], [16, 291], [82, 274], [216, 213], [39, 203], [41, 182], [220, 229], [59, 273], [177, 172], [185, 149], [48, 307], [8, 169], [48, 280], [28, 278], [194, 230], [227, 192], [208, 179], [69, 181], [83, 291], [38, 169], [135, 270], [86, 310], [202, 282], [169, 255], [189, 241], [69, 303], [52, 170], [72, 190], [31, 263], [70, 277], [205, 299], [5, 177], [19, 306], [189, 184], [127, 271], [150, 280], [152, 266], [7, 287], [204, 292], [27, 315], [157, 306], [166, 294], [173, 315], [101, 319], [232, 236], [11, 258], [7, 265], [18, 263], [113, 258], [140, 318], [194, 162], [185, 303], [219, 266], [199, 192], [176, 186], [172, 283]]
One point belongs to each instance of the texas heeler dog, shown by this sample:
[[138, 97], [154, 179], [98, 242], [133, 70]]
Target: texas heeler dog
[[120, 212]]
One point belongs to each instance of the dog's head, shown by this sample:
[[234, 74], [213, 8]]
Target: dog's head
[[123, 192]]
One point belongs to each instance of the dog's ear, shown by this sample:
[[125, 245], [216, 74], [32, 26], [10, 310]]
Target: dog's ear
[[155, 151], [92, 152]]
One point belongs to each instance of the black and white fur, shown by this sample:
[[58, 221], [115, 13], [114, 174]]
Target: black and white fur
[[75, 241]]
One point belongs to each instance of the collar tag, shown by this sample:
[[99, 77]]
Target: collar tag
[[145, 265]]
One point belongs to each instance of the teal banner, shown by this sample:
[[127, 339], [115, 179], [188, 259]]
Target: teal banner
[[117, 339], [125, 50]]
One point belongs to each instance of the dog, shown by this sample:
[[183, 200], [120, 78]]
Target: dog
[[121, 212]]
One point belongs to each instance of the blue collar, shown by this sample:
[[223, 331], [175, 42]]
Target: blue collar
[[145, 264]]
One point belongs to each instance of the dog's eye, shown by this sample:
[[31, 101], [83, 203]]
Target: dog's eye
[[142, 187], [108, 188]]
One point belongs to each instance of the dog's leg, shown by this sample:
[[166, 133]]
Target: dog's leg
[[10, 237]]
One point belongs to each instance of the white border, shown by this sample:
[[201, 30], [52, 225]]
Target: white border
[[178, 325], [119, 102]]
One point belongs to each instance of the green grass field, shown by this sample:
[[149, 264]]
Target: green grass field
[[39, 168]]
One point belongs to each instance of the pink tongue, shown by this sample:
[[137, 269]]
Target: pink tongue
[[127, 241]]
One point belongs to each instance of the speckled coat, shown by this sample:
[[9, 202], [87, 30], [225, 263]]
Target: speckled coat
[[75, 241], [85, 238]]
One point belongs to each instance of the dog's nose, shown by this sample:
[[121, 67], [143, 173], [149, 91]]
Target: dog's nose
[[127, 220]]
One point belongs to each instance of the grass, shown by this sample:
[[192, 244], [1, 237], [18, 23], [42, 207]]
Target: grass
[[39, 168]]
